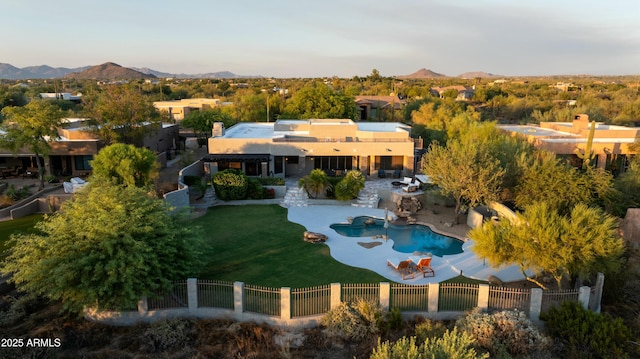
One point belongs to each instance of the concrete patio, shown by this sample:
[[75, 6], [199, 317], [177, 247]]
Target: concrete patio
[[318, 218]]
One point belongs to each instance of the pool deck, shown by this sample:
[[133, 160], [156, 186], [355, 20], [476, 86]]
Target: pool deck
[[318, 218]]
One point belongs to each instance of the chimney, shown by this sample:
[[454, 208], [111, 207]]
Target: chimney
[[218, 129]]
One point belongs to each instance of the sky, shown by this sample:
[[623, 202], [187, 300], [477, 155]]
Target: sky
[[344, 38]]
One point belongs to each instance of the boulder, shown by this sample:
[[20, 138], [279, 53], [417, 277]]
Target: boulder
[[314, 237]]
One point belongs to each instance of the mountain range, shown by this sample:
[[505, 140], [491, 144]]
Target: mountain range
[[112, 71], [106, 71]]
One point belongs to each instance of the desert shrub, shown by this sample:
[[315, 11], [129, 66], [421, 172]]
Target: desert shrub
[[349, 187], [167, 335], [330, 191], [20, 307], [6, 201], [585, 334], [17, 194], [507, 330], [452, 344], [429, 329], [393, 319], [254, 189], [353, 321], [269, 193], [191, 180], [271, 181], [230, 185], [314, 183]]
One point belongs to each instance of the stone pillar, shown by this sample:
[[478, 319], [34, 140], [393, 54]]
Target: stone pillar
[[336, 295], [583, 296], [285, 303], [264, 168], [483, 296], [192, 294], [434, 293], [535, 307], [238, 297], [385, 295], [143, 307]]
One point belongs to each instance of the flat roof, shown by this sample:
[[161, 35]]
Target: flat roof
[[266, 130], [535, 131], [382, 126]]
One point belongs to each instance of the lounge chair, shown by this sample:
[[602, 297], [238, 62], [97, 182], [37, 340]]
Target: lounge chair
[[424, 265], [406, 268]]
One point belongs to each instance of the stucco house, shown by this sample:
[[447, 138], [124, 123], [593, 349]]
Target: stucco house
[[295, 147], [179, 109], [610, 143], [75, 147], [370, 107]]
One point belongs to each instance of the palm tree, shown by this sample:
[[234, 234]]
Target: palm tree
[[314, 183]]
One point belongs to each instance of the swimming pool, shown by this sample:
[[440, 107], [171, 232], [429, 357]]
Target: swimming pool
[[406, 238]]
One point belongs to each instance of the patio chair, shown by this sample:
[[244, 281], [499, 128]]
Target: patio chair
[[406, 268], [397, 173], [382, 173], [424, 265]]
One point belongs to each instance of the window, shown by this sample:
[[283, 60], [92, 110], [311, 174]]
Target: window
[[389, 162], [292, 160], [227, 165], [82, 163], [278, 164]]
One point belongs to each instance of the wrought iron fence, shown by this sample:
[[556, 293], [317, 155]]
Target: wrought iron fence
[[555, 297], [413, 298], [457, 297], [176, 298], [352, 292], [510, 298], [215, 294], [310, 301], [262, 300]]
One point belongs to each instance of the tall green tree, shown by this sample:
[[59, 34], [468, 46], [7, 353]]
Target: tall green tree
[[125, 165], [545, 178], [542, 240], [317, 100], [104, 249], [31, 127], [120, 113], [201, 122], [349, 187], [464, 171]]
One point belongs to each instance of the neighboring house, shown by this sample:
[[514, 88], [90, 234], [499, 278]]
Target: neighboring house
[[62, 96], [295, 147], [371, 107], [179, 109], [71, 152], [610, 143], [464, 93]]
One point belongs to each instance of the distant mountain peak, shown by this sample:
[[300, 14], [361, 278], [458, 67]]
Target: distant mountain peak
[[478, 74], [109, 71], [423, 74]]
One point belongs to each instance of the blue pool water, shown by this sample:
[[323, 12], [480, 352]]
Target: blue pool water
[[406, 238]]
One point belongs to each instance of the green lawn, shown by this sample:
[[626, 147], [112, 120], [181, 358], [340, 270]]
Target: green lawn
[[20, 225], [257, 245]]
